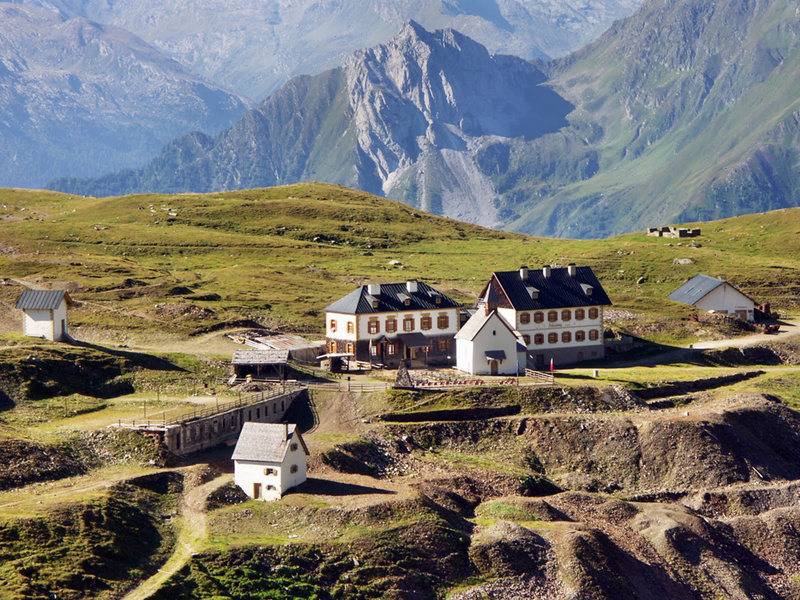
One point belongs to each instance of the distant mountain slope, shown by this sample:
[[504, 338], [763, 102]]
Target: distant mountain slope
[[255, 46], [688, 110], [402, 119], [694, 109], [78, 98]]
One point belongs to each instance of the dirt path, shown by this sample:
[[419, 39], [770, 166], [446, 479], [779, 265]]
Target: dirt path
[[192, 534], [788, 329]]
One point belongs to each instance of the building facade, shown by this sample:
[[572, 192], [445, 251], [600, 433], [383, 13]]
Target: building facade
[[388, 324], [269, 460], [44, 314], [558, 312], [488, 345]]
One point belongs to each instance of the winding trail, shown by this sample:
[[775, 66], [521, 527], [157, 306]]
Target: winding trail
[[192, 533]]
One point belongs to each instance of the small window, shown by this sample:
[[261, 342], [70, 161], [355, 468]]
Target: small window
[[391, 325], [407, 301], [552, 338], [580, 336], [351, 327], [332, 325], [294, 447], [374, 326], [594, 335], [332, 347], [527, 340], [593, 313], [293, 469], [373, 350], [552, 316], [391, 349], [566, 337], [443, 345], [443, 321], [408, 324], [271, 488], [538, 317], [426, 323], [538, 339], [566, 315], [580, 314], [270, 471], [350, 348], [525, 318]]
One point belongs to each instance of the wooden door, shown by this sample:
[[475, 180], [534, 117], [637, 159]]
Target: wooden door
[[257, 491], [493, 367]]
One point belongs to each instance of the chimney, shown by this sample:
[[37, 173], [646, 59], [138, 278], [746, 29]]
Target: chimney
[[412, 287], [523, 273], [546, 271], [572, 269], [374, 289]]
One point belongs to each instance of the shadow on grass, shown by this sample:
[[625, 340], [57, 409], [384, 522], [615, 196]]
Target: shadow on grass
[[327, 487], [138, 359]]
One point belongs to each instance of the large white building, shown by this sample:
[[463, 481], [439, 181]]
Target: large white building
[[390, 323], [269, 459], [45, 314], [558, 312], [714, 295], [488, 345]]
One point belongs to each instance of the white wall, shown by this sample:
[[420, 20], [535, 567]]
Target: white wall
[[45, 323], [471, 355], [361, 324], [293, 457], [38, 323], [726, 298]]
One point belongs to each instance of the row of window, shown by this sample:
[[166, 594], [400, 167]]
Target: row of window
[[409, 324], [269, 471], [566, 337], [442, 345], [199, 432], [552, 316]]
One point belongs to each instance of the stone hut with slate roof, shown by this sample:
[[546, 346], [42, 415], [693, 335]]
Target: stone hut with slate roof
[[269, 460], [45, 314], [392, 323], [558, 312]]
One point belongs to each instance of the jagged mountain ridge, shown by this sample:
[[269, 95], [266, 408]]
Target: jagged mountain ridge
[[255, 46], [401, 119], [668, 117], [79, 98]]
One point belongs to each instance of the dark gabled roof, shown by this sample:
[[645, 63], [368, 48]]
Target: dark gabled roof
[[266, 442], [41, 299], [559, 290], [698, 287], [359, 301]]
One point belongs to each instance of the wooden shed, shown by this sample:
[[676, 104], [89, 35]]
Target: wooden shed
[[264, 365]]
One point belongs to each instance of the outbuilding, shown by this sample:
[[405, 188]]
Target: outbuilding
[[714, 295], [264, 365], [269, 460], [488, 345], [45, 314]]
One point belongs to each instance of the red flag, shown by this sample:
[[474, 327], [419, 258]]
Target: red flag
[[552, 365]]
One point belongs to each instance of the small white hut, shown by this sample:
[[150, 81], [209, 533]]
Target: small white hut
[[487, 345], [45, 314], [269, 459]]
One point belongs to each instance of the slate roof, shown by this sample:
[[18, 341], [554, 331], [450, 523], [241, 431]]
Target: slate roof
[[260, 357], [391, 300], [697, 288], [41, 299], [559, 290], [266, 442]]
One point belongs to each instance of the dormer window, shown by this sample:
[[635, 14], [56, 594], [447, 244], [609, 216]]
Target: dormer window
[[374, 302]]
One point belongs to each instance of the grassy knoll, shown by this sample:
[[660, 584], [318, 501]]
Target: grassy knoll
[[148, 269], [95, 544]]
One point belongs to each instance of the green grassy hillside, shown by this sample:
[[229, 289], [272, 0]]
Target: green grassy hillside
[[145, 268]]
